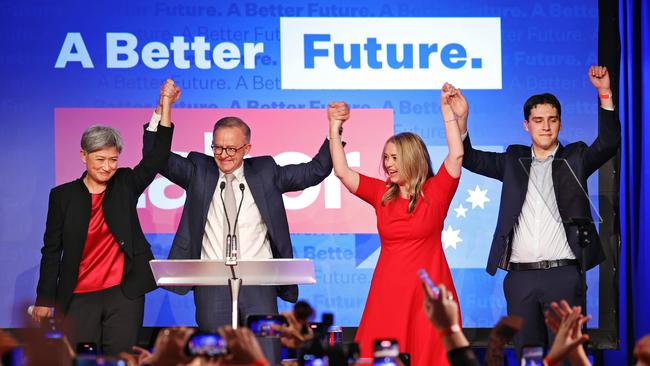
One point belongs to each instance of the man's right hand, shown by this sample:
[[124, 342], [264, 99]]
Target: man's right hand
[[41, 312]]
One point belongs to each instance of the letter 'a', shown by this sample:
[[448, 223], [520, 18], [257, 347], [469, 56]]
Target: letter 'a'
[[73, 50]]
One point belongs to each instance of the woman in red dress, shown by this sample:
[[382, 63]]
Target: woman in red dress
[[411, 205]]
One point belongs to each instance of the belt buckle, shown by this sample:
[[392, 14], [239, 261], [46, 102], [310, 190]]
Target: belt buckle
[[546, 264]]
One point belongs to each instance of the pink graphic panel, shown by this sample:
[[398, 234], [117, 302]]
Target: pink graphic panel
[[289, 135]]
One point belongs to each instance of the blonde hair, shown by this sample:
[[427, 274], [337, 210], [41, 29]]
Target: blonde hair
[[415, 167]]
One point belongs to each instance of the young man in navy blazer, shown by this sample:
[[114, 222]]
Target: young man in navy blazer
[[544, 192]]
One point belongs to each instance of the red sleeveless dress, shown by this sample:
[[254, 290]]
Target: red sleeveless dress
[[409, 241]]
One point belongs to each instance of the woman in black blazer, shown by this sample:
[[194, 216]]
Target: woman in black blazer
[[95, 259]]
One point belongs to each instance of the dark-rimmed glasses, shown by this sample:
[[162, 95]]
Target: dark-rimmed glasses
[[230, 151]]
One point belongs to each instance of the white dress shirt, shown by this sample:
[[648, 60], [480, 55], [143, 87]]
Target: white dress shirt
[[539, 234], [252, 238]]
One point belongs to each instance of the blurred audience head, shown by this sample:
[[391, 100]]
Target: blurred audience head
[[303, 311], [642, 351]]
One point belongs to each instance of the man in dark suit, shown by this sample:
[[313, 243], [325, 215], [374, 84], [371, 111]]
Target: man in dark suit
[[257, 184], [95, 259], [542, 200]]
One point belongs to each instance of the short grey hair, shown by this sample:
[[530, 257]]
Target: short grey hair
[[233, 122], [97, 137]]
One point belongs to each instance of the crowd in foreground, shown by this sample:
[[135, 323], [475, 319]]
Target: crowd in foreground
[[312, 346]]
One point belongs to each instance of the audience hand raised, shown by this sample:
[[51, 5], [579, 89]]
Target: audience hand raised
[[566, 322], [243, 347], [290, 335], [443, 311], [169, 347]]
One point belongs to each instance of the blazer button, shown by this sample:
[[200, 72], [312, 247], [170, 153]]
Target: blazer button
[[121, 243]]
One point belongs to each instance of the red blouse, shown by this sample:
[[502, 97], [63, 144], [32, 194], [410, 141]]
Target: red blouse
[[102, 260]]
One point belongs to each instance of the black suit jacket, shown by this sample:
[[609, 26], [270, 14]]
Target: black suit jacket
[[512, 167], [198, 175], [68, 217]]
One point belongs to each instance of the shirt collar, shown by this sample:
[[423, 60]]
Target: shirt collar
[[238, 173], [552, 155]]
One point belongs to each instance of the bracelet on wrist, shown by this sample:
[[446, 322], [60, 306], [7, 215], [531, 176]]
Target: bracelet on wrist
[[550, 362], [451, 120], [260, 362], [454, 328], [604, 96]]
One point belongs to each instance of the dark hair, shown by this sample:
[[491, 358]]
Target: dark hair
[[233, 122], [546, 98]]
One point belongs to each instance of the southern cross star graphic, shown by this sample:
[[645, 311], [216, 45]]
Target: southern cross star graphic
[[477, 197], [450, 237], [460, 211]]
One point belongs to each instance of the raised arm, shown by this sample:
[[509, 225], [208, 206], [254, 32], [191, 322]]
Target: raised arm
[[169, 94], [178, 168], [338, 113], [608, 141], [155, 156], [453, 108], [489, 164], [599, 77], [167, 90]]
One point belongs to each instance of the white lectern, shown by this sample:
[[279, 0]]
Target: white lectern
[[261, 272]]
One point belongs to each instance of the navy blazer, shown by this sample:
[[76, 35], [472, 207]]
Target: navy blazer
[[512, 168], [198, 175], [68, 217]]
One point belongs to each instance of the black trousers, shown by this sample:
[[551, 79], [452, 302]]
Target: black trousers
[[106, 318], [529, 294], [214, 309]]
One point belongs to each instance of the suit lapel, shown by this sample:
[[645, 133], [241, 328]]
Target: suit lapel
[[212, 177], [559, 170], [108, 206], [524, 161], [81, 204], [256, 186]]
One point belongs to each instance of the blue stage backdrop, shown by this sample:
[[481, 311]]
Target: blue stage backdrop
[[288, 54]]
